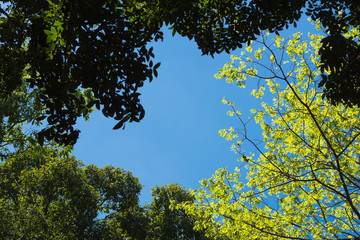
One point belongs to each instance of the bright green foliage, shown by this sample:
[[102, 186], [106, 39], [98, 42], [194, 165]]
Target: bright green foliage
[[303, 180]]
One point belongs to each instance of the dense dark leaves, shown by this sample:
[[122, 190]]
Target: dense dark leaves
[[339, 56], [224, 25], [342, 85], [168, 223], [120, 190], [64, 46], [73, 45]]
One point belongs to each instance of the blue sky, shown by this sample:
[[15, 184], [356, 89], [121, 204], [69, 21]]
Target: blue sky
[[178, 140]]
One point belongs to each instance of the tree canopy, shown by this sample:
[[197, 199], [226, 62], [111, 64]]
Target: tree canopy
[[303, 176], [59, 59], [62, 47], [166, 222], [45, 193]]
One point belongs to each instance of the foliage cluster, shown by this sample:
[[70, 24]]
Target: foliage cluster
[[303, 178], [45, 193], [61, 58], [66, 46]]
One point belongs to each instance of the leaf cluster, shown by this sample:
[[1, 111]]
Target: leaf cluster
[[302, 177], [67, 46], [45, 193]]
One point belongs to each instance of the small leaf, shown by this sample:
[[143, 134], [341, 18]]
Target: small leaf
[[157, 65], [119, 125], [39, 119]]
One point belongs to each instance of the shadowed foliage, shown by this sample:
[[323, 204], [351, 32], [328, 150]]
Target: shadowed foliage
[[65, 46]]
